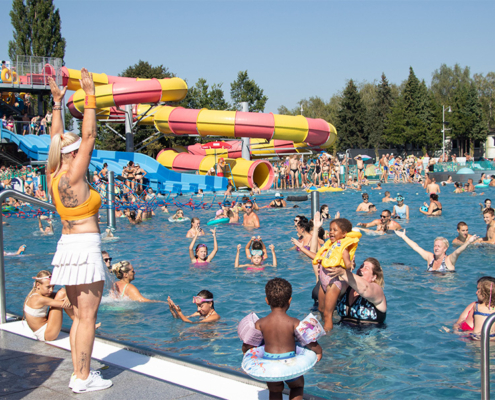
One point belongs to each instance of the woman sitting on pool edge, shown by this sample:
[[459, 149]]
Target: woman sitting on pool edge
[[206, 308], [200, 254], [438, 261], [475, 314], [43, 308], [256, 259], [123, 288]]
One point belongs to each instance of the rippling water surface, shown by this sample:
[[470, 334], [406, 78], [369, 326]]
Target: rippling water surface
[[412, 357]]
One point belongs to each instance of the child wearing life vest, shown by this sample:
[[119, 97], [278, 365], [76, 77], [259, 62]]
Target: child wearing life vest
[[338, 251]]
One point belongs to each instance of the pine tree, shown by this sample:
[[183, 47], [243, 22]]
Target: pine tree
[[379, 113], [476, 129], [37, 29], [351, 118]]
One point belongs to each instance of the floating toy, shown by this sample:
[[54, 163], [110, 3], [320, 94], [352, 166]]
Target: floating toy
[[323, 189], [330, 254], [481, 185], [218, 221], [279, 367], [297, 198], [172, 219], [424, 208], [487, 181]]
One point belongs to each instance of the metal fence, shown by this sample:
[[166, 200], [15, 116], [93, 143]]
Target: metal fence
[[31, 71]]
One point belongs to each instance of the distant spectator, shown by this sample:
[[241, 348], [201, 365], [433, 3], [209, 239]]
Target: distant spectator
[[25, 124], [10, 123], [4, 121], [48, 118]]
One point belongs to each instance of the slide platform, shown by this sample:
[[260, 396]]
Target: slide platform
[[160, 178]]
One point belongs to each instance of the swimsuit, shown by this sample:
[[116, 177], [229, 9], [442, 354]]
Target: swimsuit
[[361, 310], [400, 211], [123, 291], [476, 312], [275, 205], [436, 209], [443, 267], [36, 312]]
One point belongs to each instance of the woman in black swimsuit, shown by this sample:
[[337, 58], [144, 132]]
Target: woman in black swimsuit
[[435, 207], [316, 174], [279, 201]]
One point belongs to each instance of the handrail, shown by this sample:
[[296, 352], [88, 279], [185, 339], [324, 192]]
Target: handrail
[[32, 200], [485, 357]]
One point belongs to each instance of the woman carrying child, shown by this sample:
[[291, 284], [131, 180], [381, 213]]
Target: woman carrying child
[[206, 309], [200, 254], [43, 308]]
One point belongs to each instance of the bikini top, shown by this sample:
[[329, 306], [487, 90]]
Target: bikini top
[[123, 291], [330, 254], [275, 205], [36, 312], [361, 309], [476, 312], [85, 210], [443, 266]]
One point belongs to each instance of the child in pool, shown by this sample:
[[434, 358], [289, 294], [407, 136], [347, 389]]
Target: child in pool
[[179, 214], [165, 209], [43, 308], [256, 259], [278, 333], [206, 308], [19, 251], [475, 314], [256, 244], [200, 254]]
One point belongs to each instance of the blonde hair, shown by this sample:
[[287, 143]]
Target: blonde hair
[[443, 240], [121, 268], [377, 271], [55, 157], [37, 279]]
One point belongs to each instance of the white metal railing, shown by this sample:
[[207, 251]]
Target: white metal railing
[[485, 357]]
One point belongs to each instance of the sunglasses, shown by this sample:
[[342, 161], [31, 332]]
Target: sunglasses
[[107, 259], [248, 207], [199, 300], [383, 216]]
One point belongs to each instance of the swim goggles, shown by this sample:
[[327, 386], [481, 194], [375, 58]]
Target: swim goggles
[[199, 300], [400, 198], [256, 252]]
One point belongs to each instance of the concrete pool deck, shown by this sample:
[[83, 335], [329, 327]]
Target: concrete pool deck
[[33, 369]]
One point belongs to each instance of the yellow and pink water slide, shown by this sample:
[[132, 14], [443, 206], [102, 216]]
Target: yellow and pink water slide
[[270, 134]]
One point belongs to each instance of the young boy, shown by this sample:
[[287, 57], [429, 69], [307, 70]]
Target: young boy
[[463, 230], [278, 333]]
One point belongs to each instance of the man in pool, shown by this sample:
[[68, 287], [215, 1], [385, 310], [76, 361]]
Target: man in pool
[[365, 205], [470, 186], [489, 216], [387, 198], [384, 224], [463, 230], [251, 220], [278, 334], [432, 187]]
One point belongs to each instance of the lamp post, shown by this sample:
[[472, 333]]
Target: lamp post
[[443, 129]]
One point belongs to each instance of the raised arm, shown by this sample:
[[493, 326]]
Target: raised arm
[[215, 245], [58, 97], [192, 256], [413, 245], [248, 248], [453, 257], [272, 248], [236, 263], [317, 224]]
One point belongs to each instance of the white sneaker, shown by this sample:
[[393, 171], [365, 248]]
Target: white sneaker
[[93, 383], [72, 380]]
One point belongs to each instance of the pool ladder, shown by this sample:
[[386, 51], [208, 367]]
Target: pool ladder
[[485, 357]]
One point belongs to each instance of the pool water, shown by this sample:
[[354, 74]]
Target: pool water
[[413, 356]]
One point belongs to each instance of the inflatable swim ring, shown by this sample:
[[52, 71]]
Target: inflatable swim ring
[[481, 185], [218, 221], [277, 369], [330, 254], [323, 189], [487, 181], [298, 198], [424, 208], [9, 209], [171, 219]]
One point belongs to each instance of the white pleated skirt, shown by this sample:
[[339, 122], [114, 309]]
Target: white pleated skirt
[[78, 260]]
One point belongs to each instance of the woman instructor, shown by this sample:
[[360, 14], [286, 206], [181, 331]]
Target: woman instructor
[[77, 264]]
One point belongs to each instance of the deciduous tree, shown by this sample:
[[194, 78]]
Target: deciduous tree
[[244, 89]]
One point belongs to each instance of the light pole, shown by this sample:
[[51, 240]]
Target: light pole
[[443, 129]]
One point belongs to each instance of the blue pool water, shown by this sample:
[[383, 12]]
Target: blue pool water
[[412, 357]]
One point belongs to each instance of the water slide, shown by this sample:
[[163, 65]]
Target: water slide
[[114, 92], [160, 178]]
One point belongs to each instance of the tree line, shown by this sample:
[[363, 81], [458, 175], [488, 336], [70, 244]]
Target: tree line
[[409, 116]]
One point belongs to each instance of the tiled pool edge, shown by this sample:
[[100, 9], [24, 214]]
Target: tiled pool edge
[[208, 379]]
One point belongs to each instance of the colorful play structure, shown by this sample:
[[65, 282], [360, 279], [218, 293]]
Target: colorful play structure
[[269, 135]]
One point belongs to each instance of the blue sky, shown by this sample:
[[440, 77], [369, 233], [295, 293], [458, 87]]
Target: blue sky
[[292, 49]]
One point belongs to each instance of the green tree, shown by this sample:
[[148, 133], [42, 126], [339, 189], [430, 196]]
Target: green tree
[[37, 29], [350, 121], [143, 69], [446, 80], [473, 116], [202, 96], [486, 93], [245, 89], [378, 114], [395, 129]]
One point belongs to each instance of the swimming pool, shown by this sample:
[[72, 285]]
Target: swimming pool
[[412, 357]]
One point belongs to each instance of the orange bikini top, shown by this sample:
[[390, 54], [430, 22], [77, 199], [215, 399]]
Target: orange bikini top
[[87, 209]]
